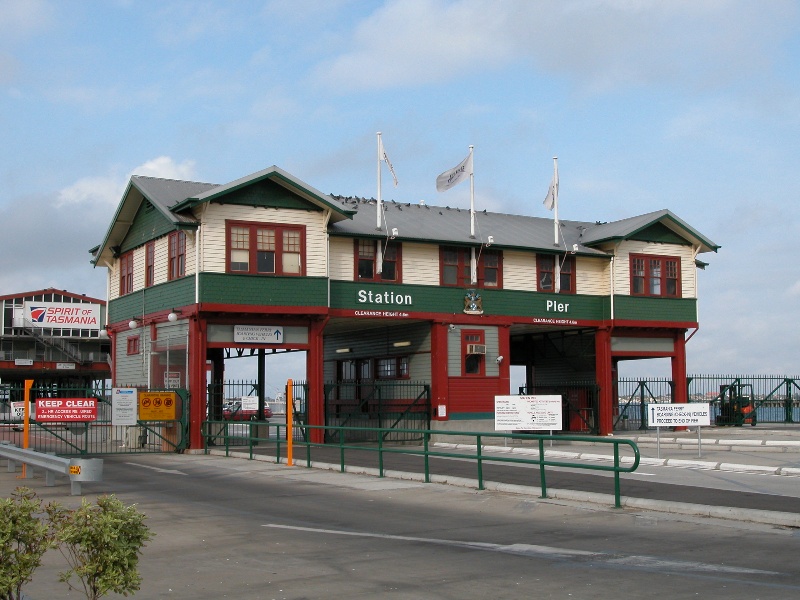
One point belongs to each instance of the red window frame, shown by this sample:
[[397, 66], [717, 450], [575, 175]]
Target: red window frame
[[472, 365], [455, 261], [126, 273], [177, 255], [546, 265], [133, 345], [150, 264], [276, 241], [365, 255], [655, 276]]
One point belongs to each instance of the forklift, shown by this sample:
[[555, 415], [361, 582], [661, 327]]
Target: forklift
[[736, 405]]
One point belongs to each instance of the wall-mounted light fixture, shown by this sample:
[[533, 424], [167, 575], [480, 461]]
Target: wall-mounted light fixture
[[401, 344], [173, 316], [343, 350], [134, 322], [489, 241], [104, 332], [395, 233]]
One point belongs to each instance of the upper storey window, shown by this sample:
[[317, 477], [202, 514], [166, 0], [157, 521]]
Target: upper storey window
[[655, 276], [126, 273], [455, 269], [177, 255], [546, 273], [265, 249], [366, 252]]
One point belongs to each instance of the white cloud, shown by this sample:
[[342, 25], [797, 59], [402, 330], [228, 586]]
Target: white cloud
[[23, 18], [107, 190], [794, 290], [600, 44], [167, 168]]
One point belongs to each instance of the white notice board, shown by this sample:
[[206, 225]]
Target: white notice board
[[540, 413], [679, 415], [124, 406]]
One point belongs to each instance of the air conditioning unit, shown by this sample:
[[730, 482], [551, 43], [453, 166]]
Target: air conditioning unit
[[476, 349]]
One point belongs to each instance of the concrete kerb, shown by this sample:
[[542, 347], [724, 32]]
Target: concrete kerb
[[764, 517]]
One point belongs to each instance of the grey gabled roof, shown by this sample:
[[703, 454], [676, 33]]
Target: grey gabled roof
[[166, 194], [442, 224], [278, 175], [625, 228]]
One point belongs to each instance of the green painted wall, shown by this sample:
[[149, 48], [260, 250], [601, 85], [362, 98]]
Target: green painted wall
[[655, 309], [345, 295], [226, 288], [148, 224], [267, 193], [153, 299]]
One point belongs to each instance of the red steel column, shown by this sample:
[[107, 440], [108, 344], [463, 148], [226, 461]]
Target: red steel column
[[603, 374], [679, 369], [439, 386], [314, 377], [197, 381]]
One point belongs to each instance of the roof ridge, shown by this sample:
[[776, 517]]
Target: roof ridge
[[172, 179]]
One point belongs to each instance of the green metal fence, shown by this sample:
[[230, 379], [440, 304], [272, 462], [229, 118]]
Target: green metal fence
[[89, 438], [363, 408], [775, 398], [272, 442]]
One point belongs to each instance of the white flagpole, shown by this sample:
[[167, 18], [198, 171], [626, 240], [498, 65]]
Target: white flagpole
[[555, 199], [379, 207], [380, 200], [471, 193]]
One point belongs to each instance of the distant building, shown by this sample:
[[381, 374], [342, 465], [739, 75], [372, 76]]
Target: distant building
[[55, 338], [267, 263]]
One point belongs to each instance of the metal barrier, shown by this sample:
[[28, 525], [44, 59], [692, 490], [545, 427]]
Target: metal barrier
[[277, 442], [77, 469]]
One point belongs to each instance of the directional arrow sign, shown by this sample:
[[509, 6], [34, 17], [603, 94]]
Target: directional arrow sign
[[257, 334], [679, 415]]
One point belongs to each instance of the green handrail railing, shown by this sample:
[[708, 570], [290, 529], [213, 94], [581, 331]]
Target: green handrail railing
[[221, 433]]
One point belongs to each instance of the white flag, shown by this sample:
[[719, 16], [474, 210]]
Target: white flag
[[455, 175], [552, 194], [385, 157]]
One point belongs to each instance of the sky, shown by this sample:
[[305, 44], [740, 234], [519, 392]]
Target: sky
[[692, 106]]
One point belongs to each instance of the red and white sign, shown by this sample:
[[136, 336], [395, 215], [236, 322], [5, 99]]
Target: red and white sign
[[66, 409], [78, 315]]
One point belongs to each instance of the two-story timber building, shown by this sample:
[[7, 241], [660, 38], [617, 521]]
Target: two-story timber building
[[268, 263]]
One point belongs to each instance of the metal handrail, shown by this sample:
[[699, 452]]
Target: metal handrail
[[542, 461]]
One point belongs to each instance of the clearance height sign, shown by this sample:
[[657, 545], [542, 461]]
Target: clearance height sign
[[66, 409]]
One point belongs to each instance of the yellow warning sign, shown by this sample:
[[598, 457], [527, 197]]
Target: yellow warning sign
[[74, 469], [158, 406]]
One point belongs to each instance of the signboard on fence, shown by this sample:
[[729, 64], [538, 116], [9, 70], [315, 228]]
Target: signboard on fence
[[18, 411], [158, 406], [534, 413], [124, 406], [679, 415], [66, 409]]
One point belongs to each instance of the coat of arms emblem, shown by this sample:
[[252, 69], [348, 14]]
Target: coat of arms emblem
[[473, 303]]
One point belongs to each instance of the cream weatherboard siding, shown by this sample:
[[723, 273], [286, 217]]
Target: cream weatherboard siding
[[622, 277], [420, 264], [161, 272], [519, 270], [342, 266], [592, 276], [214, 242]]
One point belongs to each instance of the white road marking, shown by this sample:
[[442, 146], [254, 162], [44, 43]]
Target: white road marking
[[548, 552], [160, 470]]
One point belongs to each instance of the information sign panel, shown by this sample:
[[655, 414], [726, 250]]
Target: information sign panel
[[124, 406], [679, 415], [158, 406], [257, 334], [536, 413]]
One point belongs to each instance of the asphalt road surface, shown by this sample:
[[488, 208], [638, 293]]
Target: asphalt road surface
[[231, 528]]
